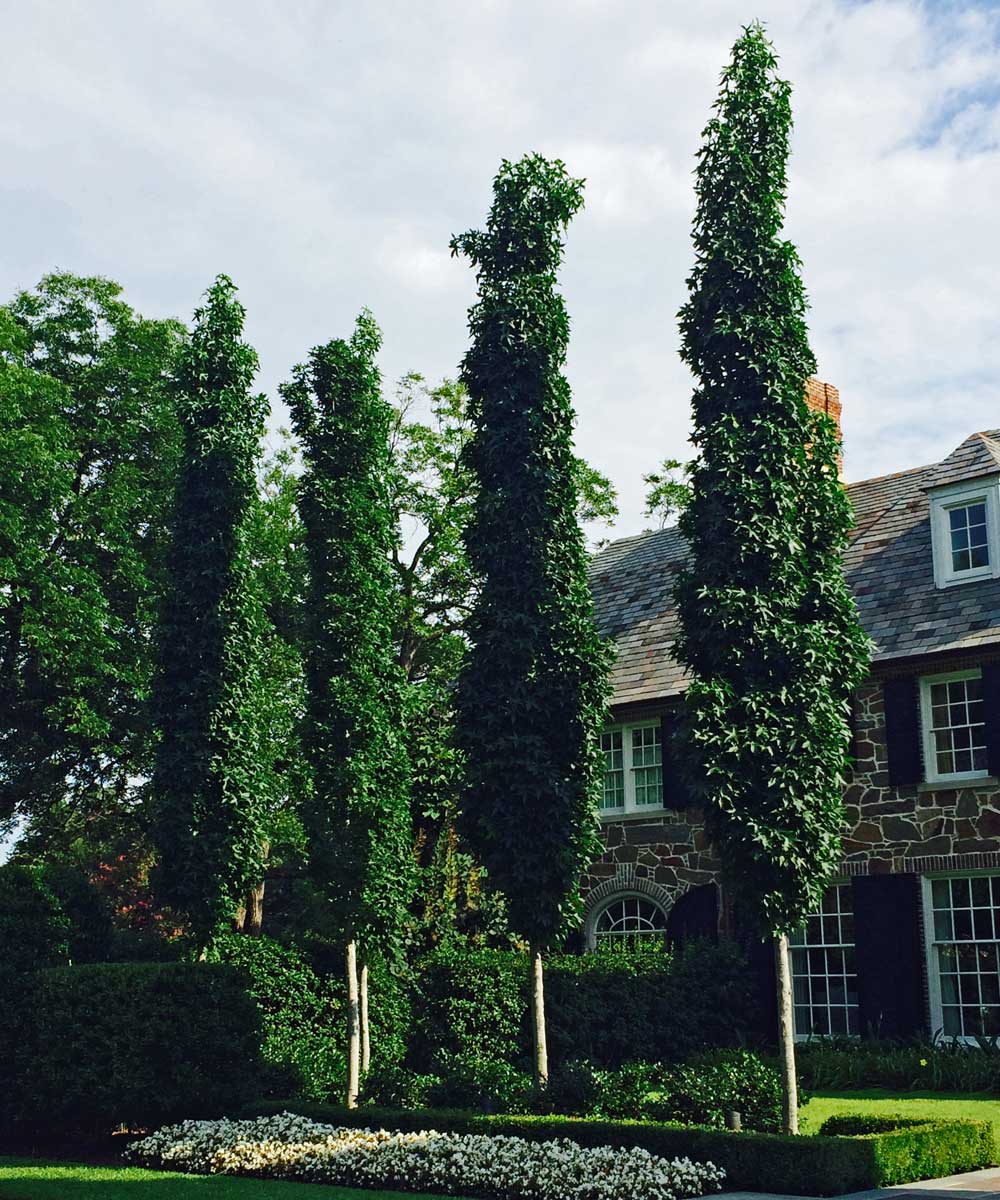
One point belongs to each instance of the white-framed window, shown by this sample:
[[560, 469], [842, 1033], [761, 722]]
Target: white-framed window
[[962, 925], [953, 723], [633, 768], [824, 971], [965, 532], [628, 920]]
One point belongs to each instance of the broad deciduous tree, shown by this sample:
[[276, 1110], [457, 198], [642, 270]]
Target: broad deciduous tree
[[533, 688], [212, 775], [769, 628], [357, 814], [88, 449]]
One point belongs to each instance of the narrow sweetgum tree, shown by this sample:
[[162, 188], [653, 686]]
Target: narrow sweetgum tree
[[356, 815], [211, 778], [769, 629], [532, 691]]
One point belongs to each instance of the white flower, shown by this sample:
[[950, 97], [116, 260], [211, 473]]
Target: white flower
[[292, 1147]]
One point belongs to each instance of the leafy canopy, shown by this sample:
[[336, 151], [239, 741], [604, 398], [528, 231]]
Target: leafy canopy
[[533, 687], [212, 775], [769, 629], [357, 812]]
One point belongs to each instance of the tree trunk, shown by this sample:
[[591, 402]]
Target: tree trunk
[[538, 1019], [366, 1045], [353, 1025], [786, 1037]]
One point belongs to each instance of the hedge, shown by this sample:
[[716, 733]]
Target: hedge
[[138, 1044], [808, 1166], [654, 1005]]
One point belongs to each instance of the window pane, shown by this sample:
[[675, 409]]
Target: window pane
[[958, 730], [629, 920], [966, 953], [824, 975]]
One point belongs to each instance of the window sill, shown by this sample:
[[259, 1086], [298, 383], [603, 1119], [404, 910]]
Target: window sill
[[957, 785], [608, 818]]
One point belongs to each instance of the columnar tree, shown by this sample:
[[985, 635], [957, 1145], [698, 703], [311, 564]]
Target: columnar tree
[[211, 780], [769, 629], [533, 689], [357, 814]]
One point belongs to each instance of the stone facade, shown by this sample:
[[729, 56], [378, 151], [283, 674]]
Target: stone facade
[[923, 828]]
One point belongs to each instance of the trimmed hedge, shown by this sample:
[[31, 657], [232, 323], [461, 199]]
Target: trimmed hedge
[[809, 1166], [905, 1149], [649, 1005], [137, 1044]]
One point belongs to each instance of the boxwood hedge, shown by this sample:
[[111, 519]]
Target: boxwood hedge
[[809, 1166]]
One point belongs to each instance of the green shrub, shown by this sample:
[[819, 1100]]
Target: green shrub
[[765, 1162], [34, 930], [134, 1044], [649, 1004], [574, 1090], [831, 1064], [490, 1085], [301, 1014], [395, 1086], [91, 928], [702, 1092], [908, 1148]]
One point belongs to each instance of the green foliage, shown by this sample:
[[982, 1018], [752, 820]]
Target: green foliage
[[759, 1162], [301, 1014], [134, 1044], [91, 928], [905, 1149], [938, 1066], [769, 629], [212, 777], [88, 449], [533, 688], [395, 1086], [666, 495], [703, 1091], [478, 1082], [653, 1006], [357, 812], [34, 930]]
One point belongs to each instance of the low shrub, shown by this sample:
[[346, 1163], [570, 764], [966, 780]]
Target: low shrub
[[765, 1162], [104, 1045], [292, 1147], [905, 1149], [395, 1086], [840, 1065], [702, 1092], [648, 1003], [490, 1086], [301, 1014]]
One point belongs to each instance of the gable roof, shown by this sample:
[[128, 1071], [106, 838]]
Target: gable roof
[[888, 565]]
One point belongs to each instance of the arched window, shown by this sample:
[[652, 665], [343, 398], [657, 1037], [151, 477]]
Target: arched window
[[627, 920]]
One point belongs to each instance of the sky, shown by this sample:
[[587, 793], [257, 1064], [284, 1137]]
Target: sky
[[324, 153]]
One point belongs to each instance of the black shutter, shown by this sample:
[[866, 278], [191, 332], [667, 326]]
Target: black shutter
[[902, 730], [889, 954], [695, 917], [676, 791], [991, 706]]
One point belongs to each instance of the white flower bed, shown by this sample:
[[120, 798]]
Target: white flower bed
[[292, 1147]]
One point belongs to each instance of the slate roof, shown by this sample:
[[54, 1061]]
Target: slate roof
[[888, 564]]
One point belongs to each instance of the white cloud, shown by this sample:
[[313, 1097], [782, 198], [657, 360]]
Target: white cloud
[[323, 156]]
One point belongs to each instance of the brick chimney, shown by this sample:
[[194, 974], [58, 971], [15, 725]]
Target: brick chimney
[[825, 398]]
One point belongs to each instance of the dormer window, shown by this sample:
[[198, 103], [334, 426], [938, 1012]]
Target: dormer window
[[964, 531]]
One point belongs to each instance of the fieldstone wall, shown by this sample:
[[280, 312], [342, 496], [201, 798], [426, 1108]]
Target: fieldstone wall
[[912, 828], [921, 828], [669, 852]]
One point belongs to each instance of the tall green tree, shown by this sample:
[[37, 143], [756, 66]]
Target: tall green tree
[[212, 777], [533, 689], [88, 449], [357, 814], [769, 629]]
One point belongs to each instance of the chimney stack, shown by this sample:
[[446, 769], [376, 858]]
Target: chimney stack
[[825, 398]]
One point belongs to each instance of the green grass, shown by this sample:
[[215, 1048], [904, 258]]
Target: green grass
[[977, 1107], [34, 1179]]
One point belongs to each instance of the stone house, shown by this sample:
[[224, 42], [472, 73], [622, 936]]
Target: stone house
[[908, 938]]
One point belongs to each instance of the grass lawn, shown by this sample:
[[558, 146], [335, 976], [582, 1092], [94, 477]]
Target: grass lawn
[[34, 1179], [978, 1107]]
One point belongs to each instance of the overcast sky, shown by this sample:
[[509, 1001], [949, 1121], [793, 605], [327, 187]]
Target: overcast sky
[[323, 153]]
